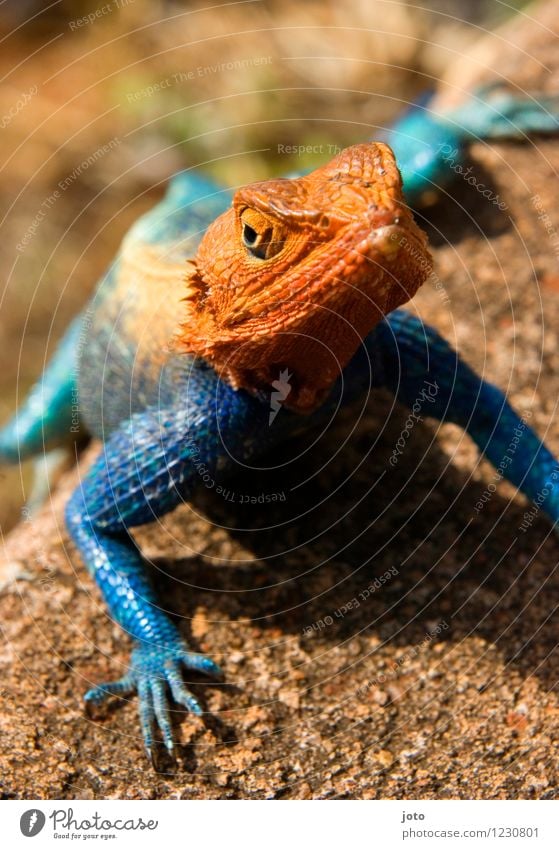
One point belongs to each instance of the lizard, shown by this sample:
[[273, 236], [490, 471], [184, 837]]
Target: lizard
[[212, 298]]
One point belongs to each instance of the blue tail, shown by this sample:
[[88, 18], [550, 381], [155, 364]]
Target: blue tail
[[48, 417], [429, 146]]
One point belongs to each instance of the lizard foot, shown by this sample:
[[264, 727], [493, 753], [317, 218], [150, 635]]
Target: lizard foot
[[153, 670]]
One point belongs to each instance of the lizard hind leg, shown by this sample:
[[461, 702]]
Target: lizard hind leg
[[49, 416]]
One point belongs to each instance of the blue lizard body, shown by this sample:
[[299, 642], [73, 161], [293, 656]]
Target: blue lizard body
[[160, 415]]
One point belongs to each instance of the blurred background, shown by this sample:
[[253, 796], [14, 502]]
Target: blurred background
[[100, 102]]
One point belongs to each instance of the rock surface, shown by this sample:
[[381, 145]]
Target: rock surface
[[440, 684]]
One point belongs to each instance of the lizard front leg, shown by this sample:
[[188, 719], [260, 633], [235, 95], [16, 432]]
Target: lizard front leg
[[160, 653], [418, 365], [145, 469]]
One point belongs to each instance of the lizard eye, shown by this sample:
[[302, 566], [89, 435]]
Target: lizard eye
[[249, 236], [259, 235]]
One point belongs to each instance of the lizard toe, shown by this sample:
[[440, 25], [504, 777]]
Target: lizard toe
[[182, 694], [162, 714], [202, 663], [124, 686], [146, 712]]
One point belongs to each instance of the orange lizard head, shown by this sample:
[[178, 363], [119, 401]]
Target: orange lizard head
[[297, 272]]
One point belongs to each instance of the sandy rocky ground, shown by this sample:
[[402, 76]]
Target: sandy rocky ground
[[439, 685]]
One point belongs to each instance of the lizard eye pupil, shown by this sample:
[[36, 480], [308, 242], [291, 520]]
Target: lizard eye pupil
[[249, 235]]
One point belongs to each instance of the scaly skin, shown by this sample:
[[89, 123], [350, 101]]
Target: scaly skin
[[182, 346]]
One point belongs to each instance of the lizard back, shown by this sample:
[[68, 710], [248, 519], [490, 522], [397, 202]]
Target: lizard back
[[130, 321]]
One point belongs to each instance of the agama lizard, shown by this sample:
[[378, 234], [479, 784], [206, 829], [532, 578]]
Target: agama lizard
[[174, 360]]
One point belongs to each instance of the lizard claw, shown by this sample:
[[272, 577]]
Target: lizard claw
[[153, 671]]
